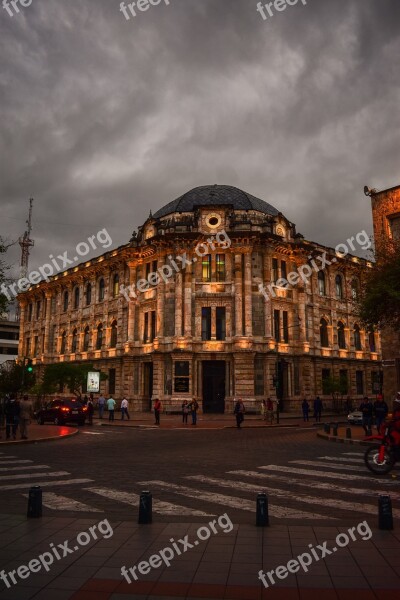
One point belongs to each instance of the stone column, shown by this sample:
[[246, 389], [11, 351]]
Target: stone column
[[178, 305], [238, 295], [188, 301], [132, 303], [248, 295], [48, 296]]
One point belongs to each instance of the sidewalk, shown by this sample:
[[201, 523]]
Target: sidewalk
[[226, 565], [40, 433]]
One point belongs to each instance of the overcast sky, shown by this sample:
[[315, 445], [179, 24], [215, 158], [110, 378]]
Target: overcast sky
[[103, 119]]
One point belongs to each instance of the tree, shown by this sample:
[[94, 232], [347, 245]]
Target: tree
[[379, 302], [69, 375], [15, 378]]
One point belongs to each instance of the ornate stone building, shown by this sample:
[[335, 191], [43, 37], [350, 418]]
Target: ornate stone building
[[190, 307], [386, 218]]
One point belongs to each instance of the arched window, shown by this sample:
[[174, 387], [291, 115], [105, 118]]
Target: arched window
[[371, 341], [101, 290], [65, 301], [76, 297], [88, 294], [323, 327], [355, 289], [114, 335], [99, 337], [321, 283], [341, 336], [339, 287], [63, 343], [115, 285], [74, 345], [357, 338], [86, 339]]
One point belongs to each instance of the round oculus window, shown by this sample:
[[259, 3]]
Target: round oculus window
[[213, 220]]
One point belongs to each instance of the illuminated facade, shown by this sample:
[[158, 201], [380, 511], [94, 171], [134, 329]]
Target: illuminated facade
[[209, 330]]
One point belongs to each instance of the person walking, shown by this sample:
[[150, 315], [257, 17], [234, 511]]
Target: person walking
[[101, 402], [194, 407], [185, 411], [381, 410], [239, 412], [124, 409], [12, 412], [25, 416], [306, 409], [367, 409], [263, 409], [157, 410], [90, 410], [270, 411], [318, 409], [111, 408]]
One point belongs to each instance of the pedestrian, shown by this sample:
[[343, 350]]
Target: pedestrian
[[25, 416], [194, 407], [12, 412], [101, 402], [157, 410], [263, 409], [239, 412], [270, 411], [318, 409], [306, 409], [185, 411], [90, 410], [381, 410], [85, 400], [367, 409], [124, 409], [111, 408]]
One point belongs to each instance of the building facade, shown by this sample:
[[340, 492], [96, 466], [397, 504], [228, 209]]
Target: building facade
[[196, 305], [386, 219], [9, 336]]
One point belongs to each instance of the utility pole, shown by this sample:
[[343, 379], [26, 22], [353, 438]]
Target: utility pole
[[26, 243]]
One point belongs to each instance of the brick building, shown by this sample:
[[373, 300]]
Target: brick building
[[386, 219], [216, 328]]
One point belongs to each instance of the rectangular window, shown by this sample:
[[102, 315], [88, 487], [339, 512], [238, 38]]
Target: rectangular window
[[35, 345], [38, 306], [221, 322], [154, 266], [359, 382], [153, 325], [111, 381], [146, 328], [220, 265], [283, 269], [285, 321], [206, 267], [28, 346], [277, 326], [344, 381], [30, 308], [326, 374], [53, 306], [375, 382], [395, 227], [275, 274], [259, 376], [206, 323]]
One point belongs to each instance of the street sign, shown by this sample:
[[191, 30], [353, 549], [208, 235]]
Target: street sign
[[93, 382], [389, 363]]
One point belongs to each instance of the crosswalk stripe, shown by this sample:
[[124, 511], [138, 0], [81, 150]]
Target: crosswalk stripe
[[15, 462], [319, 463], [164, 508], [340, 489], [28, 467], [55, 502], [232, 501], [21, 486], [92, 433], [2, 457], [343, 476], [345, 460], [351, 454], [34, 475]]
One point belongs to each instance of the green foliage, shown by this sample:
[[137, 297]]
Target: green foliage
[[66, 375], [379, 303], [16, 379], [335, 386]]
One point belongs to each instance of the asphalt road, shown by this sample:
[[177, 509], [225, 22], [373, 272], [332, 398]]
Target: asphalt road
[[195, 474]]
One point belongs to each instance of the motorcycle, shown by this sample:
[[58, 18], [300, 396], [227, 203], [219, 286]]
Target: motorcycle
[[381, 459]]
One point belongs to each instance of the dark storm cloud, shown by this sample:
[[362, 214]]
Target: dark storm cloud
[[104, 118]]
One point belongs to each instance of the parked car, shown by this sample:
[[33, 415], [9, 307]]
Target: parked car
[[355, 417], [62, 410]]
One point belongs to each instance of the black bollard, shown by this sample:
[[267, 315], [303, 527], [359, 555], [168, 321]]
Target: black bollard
[[385, 513], [262, 518], [335, 427], [327, 428], [35, 502], [348, 433], [145, 508]]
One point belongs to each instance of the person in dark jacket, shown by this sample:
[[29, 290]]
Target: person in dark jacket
[[239, 412], [317, 409], [381, 410], [306, 409], [12, 410], [367, 409]]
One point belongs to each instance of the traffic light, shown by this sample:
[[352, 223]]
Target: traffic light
[[29, 365]]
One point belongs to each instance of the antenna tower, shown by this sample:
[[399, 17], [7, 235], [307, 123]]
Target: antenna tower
[[26, 243]]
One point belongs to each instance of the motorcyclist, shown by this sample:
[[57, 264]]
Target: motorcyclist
[[381, 410], [394, 423]]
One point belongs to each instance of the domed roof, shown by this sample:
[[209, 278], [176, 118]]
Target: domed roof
[[208, 195]]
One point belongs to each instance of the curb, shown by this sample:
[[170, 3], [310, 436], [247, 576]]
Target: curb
[[198, 428], [332, 438], [39, 440]]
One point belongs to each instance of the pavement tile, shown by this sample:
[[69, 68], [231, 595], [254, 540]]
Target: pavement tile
[[310, 581], [242, 592], [204, 590], [384, 583], [66, 583], [317, 593], [350, 582], [356, 594], [88, 596], [101, 585], [280, 594]]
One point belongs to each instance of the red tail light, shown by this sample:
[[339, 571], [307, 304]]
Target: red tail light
[[84, 408], [65, 409]]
